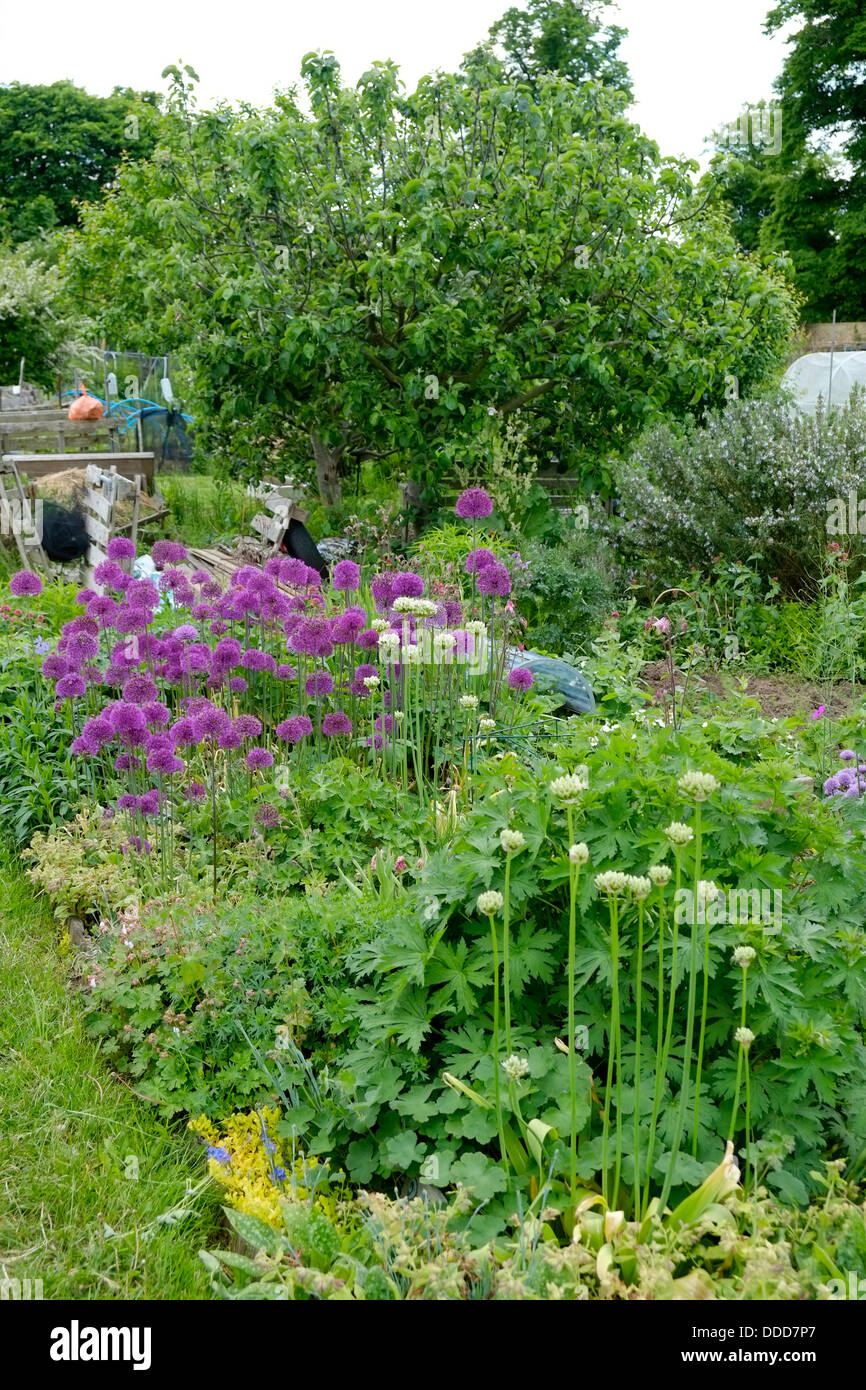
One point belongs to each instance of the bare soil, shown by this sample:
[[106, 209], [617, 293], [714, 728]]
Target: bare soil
[[779, 696]]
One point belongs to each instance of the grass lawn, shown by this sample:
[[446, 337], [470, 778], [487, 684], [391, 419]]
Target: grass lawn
[[73, 1213]]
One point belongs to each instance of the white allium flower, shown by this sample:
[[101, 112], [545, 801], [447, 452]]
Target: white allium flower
[[490, 902], [515, 1067], [371, 682], [511, 840], [698, 785], [568, 789], [380, 625], [416, 607], [707, 892], [389, 646], [678, 833], [399, 716], [660, 875], [579, 854], [638, 886], [444, 641], [612, 882], [476, 628], [487, 725], [743, 956], [468, 702], [745, 1037]]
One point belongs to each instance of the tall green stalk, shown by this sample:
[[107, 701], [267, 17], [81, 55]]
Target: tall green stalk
[[497, 1097], [660, 1064], [637, 1042], [690, 1020]]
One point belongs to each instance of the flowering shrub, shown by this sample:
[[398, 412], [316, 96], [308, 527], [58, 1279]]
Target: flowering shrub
[[756, 480]]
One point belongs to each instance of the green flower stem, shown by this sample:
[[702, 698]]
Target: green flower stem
[[506, 953], [690, 1021], [613, 1052], [637, 1042], [573, 875], [660, 1058], [497, 1098], [703, 1032], [739, 1062]]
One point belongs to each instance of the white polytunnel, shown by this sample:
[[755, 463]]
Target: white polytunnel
[[830, 375]]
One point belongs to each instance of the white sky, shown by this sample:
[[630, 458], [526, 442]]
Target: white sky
[[694, 63]]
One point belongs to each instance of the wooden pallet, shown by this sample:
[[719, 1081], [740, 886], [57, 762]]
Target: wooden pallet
[[19, 517], [103, 490], [128, 465]]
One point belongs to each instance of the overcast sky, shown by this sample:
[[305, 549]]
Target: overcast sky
[[693, 62]]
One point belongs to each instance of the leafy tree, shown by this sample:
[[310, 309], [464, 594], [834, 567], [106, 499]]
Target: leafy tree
[[562, 36], [31, 324], [809, 198], [59, 146], [389, 276]]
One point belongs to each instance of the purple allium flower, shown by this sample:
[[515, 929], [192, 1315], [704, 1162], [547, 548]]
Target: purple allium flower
[[407, 584], [478, 559], [80, 647], [196, 791], [131, 620], [136, 843], [149, 802], [312, 637], [109, 574], [361, 674], [218, 627], [185, 633], [140, 689], [382, 588], [140, 593], [92, 673], [126, 762], [25, 584], [70, 687], [494, 579], [99, 729], [167, 553], [286, 673], [102, 609], [156, 713], [230, 740], [127, 802], [319, 683], [259, 758], [127, 719], [199, 577], [227, 653], [183, 733], [54, 667], [294, 729], [521, 678], [847, 755], [248, 726], [346, 576], [384, 724], [211, 722], [237, 685], [254, 660], [367, 640], [473, 503], [453, 612], [336, 723], [121, 548], [163, 760], [85, 595], [212, 589], [294, 573], [267, 816]]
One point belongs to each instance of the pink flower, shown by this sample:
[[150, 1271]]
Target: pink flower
[[816, 713]]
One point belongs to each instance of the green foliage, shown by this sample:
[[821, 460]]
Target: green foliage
[[757, 483], [32, 323], [562, 36], [60, 147], [351, 262], [566, 593], [39, 781]]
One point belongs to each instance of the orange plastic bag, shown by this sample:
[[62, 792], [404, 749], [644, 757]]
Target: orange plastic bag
[[86, 407]]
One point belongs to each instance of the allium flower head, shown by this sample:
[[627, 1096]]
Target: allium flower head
[[267, 816], [611, 882], [745, 1037], [743, 956], [248, 726], [511, 840], [515, 1067], [521, 678], [335, 724], [407, 584], [569, 788], [295, 729], [477, 559], [168, 553], [707, 892], [346, 577], [697, 785], [319, 683], [70, 687], [25, 584], [468, 702], [494, 579], [660, 875], [490, 903], [579, 854], [415, 607], [474, 503], [120, 548], [678, 833], [638, 887], [259, 758]]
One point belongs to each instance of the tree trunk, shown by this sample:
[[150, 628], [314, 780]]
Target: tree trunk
[[327, 472]]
